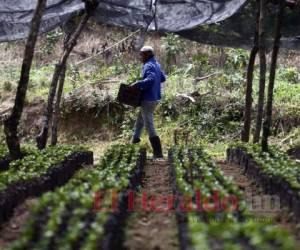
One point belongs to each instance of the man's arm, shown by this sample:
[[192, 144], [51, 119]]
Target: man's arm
[[149, 79]]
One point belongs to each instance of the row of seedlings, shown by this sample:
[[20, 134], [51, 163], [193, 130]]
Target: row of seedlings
[[5, 158], [89, 212], [274, 170], [217, 217], [38, 172]]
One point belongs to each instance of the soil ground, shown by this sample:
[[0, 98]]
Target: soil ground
[[151, 230], [147, 229], [10, 231], [251, 188]]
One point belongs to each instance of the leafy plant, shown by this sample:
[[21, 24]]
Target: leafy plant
[[72, 206], [231, 236], [50, 41], [7, 86], [237, 59], [201, 64], [134, 73], [289, 74], [274, 163], [195, 170], [34, 164], [3, 151], [173, 46]]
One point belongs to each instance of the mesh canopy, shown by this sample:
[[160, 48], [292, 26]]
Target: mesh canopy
[[16, 15], [162, 15], [231, 22], [238, 30]]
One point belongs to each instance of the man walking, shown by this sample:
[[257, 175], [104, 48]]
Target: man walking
[[151, 95]]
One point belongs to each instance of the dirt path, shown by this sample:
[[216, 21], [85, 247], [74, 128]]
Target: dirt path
[[150, 230], [252, 189], [10, 231]]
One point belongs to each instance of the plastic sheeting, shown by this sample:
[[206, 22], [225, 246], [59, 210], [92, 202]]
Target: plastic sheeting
[[161, 15], [16, 15], [238, 30], [231, 21], [166, 15]]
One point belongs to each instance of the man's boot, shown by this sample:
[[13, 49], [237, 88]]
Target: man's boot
[[156, 146], [135, 140]]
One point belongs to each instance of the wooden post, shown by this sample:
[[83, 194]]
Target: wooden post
[[263, 69], [276, 46], [12, 123]]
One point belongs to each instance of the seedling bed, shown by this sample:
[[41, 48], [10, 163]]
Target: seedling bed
[[56, 176]]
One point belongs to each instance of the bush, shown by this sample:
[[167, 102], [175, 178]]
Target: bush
[[7, 86], [50, 41], [237, 59], [134, 73], [173, 46], [290, 74], [201, 64]]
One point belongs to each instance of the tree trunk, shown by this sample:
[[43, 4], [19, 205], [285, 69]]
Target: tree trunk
[[12, 123], [90, 7], [57, 107], [263, 68], [43, 136], [249, 85], [276, 46], [69, 28]]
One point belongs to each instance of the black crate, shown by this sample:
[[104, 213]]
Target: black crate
[[129, 96]]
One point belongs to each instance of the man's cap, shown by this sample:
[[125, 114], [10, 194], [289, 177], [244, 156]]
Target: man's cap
[[147, 49]]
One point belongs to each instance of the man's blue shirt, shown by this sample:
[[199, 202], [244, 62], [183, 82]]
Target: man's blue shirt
[[152, 79]]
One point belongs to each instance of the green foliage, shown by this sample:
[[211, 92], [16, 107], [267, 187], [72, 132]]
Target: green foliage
[[274, 163], [201, 64], [210, 122], [287, 93], [119, 67], [7, 86], [3, 151], [181, 80], [195, 170], [76, 200], [289, 74], [233, 81], [259, 235], [2, 136], [292, 140], [122, 66], [172, 46], [35, 164], [41, 77], [287, 98], [237, 59], [168, 108], [134, 73], [74, 75], [127, 124], [103, 72], [50, 41], [8, 77]]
